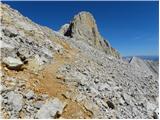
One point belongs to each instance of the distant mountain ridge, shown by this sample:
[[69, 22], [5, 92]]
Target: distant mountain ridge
[[145, 65], [153, 58]]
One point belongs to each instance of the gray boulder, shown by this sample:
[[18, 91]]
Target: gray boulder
[[30, 94], [51, 109], [15, 100], [5, 45], [12, 63]]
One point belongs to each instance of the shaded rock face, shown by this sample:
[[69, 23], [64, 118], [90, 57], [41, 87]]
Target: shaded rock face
[[83, 27]]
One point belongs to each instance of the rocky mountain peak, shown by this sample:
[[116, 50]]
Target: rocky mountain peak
[[84, 27]]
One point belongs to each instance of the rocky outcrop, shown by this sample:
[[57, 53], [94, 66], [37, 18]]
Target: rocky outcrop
[[64, 29], [83, 27]]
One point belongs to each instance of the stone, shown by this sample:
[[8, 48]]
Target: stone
[[96, 81], [5, 101], [156, 113], [12, 63], [38, 104], [121, 101], [110, 104], [151, 106], [5, 45], [36, 63], [30, 94], [1, 74], [90, 106], [51, 109], [15, 100], [23, 53], [80, 97], [126, 98], [10, 31], [104, 87], [94, 91], [47, 52], [44, 96]]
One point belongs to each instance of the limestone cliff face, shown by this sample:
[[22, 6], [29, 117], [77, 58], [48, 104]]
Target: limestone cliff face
[[84, 27]]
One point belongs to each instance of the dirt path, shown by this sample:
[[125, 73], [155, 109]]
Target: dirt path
[[54, 85], [49, 82]]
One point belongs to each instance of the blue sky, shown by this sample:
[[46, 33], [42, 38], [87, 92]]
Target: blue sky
[[130, 27]]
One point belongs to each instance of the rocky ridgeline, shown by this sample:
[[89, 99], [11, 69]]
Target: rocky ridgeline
[[73, 73]]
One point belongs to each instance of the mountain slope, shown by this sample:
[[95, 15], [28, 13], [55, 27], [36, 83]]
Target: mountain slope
[[46, 74], [150, 67]]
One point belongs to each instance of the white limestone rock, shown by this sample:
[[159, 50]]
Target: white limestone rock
[[50, 109], [15, 100], [13, 63], [30, 94]]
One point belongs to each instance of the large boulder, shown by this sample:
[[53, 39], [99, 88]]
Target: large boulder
[[15, 100], [13, 63], [4, 45], [51, 109]]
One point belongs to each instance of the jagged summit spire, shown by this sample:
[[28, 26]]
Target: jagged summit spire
[[84, 27]]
